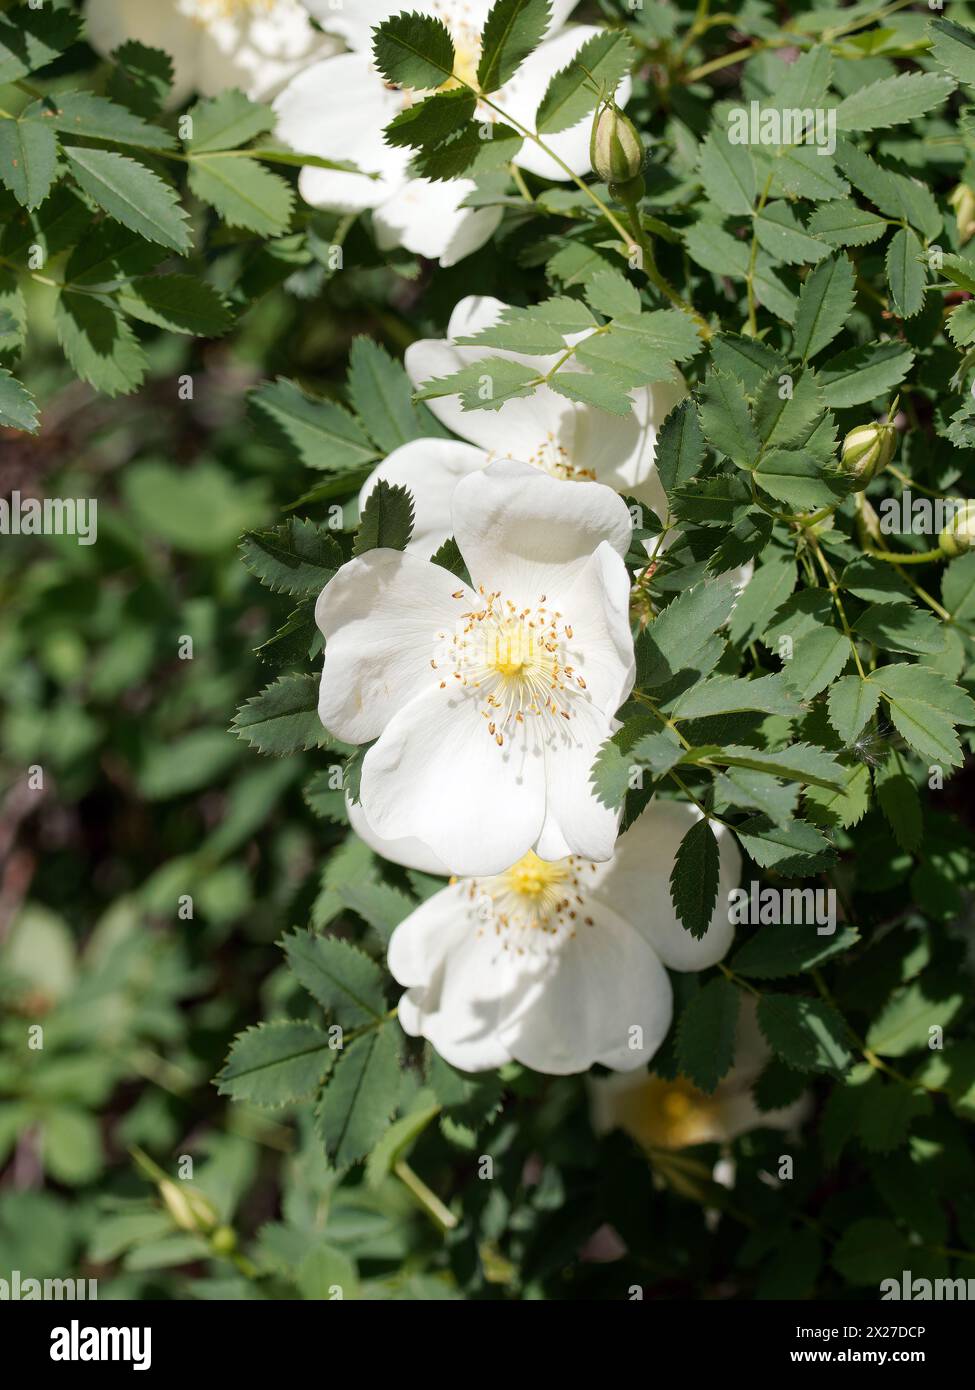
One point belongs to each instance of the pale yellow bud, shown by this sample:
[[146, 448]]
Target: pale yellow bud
[[962, 199], [867, 450], [615, 148], [959, 535]]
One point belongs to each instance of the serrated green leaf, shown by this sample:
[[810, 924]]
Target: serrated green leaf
[[360, 1097], [414, 50], [513, 29], [807, 1034], [131, 194], [728, 174], [893, 100], [572, 93], [794, 945], [851, 702], [181, 303], [18, 409], [226, 121], [860, 375], [244, 193], [925, 706], [276, 1063], [726, 419], [28, 158], [387, 519], [904, 1023], [324, 434], [825, 302], [31, 38], [283, 718], [343, 979], [706, 1034], [905, 273], [98, 343], [694, 879], [97, 118], [298, 557]]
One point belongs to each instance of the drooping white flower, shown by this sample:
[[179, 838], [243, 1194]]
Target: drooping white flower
[[557, 965], [569, 440], [338, 109], [661, 1114], [487, 704], [255, 45]]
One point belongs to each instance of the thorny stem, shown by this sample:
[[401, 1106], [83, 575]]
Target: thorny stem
[[834, 589]]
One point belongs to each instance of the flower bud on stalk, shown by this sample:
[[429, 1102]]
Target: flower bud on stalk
[[959, 535], [616, 154], [189, 1209], [962, 199], [867, 450]]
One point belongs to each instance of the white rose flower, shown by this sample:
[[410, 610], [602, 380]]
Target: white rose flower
[[557, 965], [425, 218], [569, 440], [487, 704], [255, 45]]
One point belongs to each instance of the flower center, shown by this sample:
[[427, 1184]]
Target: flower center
[[515, 658], [534, 903], [207, 11], [667, 1114], [553, 459]]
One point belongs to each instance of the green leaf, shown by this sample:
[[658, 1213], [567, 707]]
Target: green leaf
[[323, 433], [925, 706], [727, 173], [181, 303], [276, 1063], [141, 78], [387, 519], [679, 450], [298, 557], [476, 148], [749, 359], [903, 1024], [227, 121], [825, 303], [871, 1250], [131, 194], [429, 121], [953, 46], [18, 409], [694, 878], [514, 28], [726, 419], [610, 293], [807, 1034], [796, 477], [901, 627], [893, 100], [381, 393], [98, 343], [900, 803], [32, 38], [397, 1140], [860, 375], [787, 416], [28, 158], [730, 694], [97, 118], [843, 807], [800, 762], [360, 1097], [794, 847], [958, 588], [485, 384], [283, 718], [414, 50], [379, 904], [887, 1111], [706, 1034], [784, 237], [677, 636], [777, 951], [344, 980], [905, 273], [842, 223], [600, 64], [818, 658], [852, 701], [244, 193], [590, 389]]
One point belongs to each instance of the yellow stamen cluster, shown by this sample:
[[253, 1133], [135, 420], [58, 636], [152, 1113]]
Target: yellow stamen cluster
[[533, 902], [515, 658], [552, 458]]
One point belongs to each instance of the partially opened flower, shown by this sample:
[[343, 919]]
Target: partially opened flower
[[558, 965], [487, 703], [661, 1114], [424, 217], [255, 45], [569, 440]]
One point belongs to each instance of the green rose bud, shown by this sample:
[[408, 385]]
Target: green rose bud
[[867, 450], [189, 1209], [615, 148], [959, 535]]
